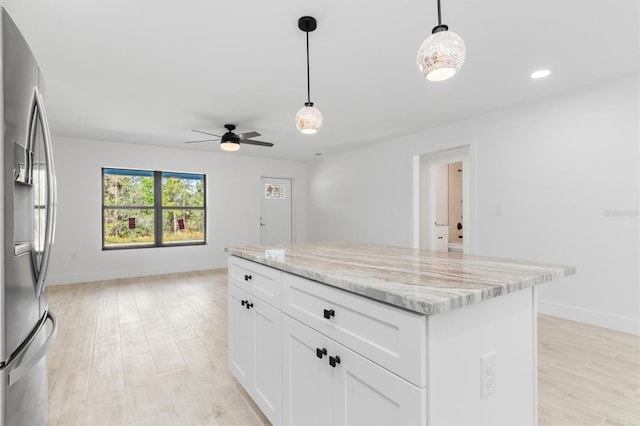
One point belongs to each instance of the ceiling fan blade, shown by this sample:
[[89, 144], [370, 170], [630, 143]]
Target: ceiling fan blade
[[247, 135], [259, 143], [204, 140], [207, 133]]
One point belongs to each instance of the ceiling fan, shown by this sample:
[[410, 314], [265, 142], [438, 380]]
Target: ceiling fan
[[231, 141]]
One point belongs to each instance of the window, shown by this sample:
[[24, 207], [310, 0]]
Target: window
[[142, 208], [183, 210]]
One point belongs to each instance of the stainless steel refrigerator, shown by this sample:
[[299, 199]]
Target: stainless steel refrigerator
[[28, 220]]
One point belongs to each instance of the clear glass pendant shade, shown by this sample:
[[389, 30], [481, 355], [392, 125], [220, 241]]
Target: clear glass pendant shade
[[309, 120], [441, 56]]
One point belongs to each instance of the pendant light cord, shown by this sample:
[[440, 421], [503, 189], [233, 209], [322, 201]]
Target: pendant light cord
[[439, 18], [308, 79]]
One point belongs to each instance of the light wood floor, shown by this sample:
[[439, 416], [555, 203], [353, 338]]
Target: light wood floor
[[149, 351], [587, 375], [153, 351]]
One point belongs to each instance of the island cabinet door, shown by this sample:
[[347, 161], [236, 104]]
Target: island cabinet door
[[326, 383], [307, 377], [366, 394], [255, 350], [267, 385], [240, 339]]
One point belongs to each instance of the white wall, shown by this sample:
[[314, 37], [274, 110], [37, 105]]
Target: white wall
[[565, 172], [233, 208]]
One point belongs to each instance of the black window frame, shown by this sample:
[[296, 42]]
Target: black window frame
[[158, 209]]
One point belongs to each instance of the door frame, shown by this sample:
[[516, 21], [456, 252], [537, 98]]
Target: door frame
[[451, 152], [293, 205]]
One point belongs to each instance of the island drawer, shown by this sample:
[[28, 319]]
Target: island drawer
[[256, 279], [387, 335]]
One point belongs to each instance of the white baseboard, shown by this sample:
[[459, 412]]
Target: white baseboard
[[59, 279], [601, 319]]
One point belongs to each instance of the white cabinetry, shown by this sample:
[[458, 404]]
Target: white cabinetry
[[391, 337], [310, 353], [307, 377], [255, 349], [259, 280], [326, 383], [328, 356], [241, 328]]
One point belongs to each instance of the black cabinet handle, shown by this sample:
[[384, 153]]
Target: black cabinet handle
[[247, 277], [246, 304], [333, 360], [321, 352], [328, 313]]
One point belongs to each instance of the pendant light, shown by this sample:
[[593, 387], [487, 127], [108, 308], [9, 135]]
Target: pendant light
[[442, 54], [308, 118]]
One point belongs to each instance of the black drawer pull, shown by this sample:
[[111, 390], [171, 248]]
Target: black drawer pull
[[333, 360], [249, 305], [247, 277], [321, 352], [242, 302], [328, 313]]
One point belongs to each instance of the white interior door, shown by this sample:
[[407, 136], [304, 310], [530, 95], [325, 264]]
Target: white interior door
[[440, 174], [276, 211], [426, 219]]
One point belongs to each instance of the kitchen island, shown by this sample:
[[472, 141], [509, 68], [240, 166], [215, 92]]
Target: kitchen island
[[346, 333]]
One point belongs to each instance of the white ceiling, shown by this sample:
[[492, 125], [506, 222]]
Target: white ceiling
[[149, 71]]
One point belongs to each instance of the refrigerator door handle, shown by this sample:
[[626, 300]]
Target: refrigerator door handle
[[37, 107], [21, 370]]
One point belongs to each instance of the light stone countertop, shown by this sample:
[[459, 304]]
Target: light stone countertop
[[423, 281]]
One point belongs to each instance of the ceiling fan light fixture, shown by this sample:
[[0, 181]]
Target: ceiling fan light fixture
[[230, 141], [442, 54], [540, 74], [230, 145], [308, 119]]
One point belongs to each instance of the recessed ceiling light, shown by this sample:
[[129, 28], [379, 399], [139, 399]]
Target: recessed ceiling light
[[540, 74]]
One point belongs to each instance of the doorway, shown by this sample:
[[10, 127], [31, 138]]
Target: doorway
[[444, 201], [276, 224]]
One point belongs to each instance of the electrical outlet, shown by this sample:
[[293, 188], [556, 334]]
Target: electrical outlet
[[487, 374]]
